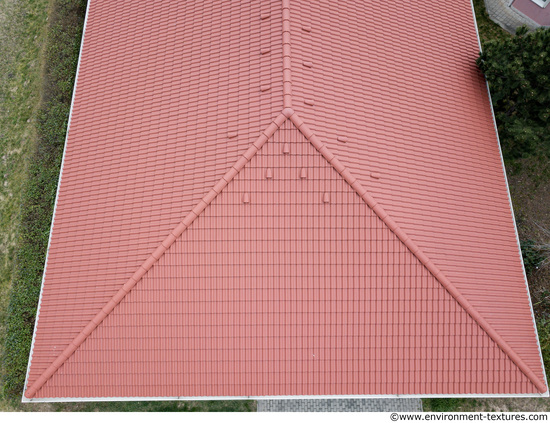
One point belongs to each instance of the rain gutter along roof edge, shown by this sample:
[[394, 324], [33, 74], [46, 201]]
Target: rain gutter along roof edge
[[56, 199], [546, 394], [284, 397]]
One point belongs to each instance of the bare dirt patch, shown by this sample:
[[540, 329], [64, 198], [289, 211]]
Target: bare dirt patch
[[530, 190]]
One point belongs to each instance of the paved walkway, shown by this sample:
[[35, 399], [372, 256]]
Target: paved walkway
[[541, 15], [500, 12], [336, 405]]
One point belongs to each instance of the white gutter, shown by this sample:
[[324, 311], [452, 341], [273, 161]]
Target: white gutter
[[284, 397]]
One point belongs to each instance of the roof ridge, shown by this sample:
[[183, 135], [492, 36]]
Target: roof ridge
[[158, 253], [287, 65], [415, 250]]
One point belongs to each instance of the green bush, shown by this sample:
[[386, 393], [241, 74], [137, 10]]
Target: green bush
[[532, 256], [518, 72], [543, 328], [163, 406]]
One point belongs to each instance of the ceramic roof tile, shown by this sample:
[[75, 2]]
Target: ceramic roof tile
[[382, 225], [419, 112], [154, 99], [276, 303]]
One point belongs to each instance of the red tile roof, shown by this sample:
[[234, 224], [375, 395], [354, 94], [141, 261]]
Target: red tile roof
[[282, 198]]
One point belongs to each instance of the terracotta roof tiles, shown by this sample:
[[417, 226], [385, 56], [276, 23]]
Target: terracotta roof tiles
[[282, 198]]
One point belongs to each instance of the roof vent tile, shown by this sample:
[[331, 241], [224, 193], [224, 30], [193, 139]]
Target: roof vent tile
[[286, 148], [246, 198], [268, 173], [342, 138]]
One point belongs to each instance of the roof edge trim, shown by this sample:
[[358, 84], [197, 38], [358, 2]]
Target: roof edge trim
[[267, 397], [157, 254], [416, 251]]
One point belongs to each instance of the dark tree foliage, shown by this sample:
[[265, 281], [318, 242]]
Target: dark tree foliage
[[532, 256], [518, 71]]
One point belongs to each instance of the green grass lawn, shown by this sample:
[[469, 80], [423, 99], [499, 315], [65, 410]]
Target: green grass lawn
[[22, 36], [61, 24]]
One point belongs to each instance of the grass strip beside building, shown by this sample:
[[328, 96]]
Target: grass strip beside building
[[66, 21]]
